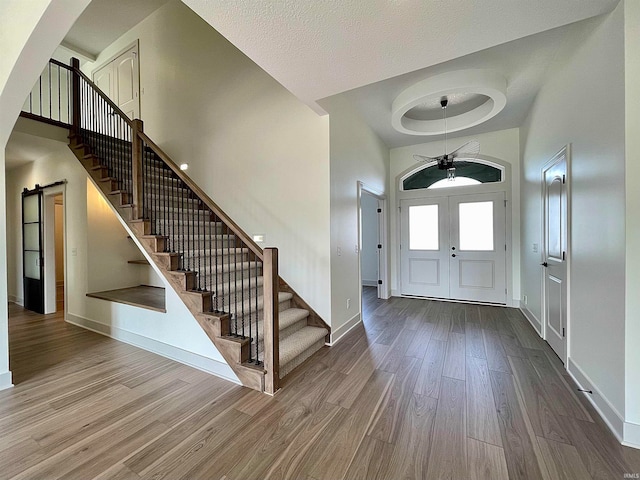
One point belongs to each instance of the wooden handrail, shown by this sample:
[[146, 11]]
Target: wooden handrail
[[238, 232], [271, 327], [76, 70]]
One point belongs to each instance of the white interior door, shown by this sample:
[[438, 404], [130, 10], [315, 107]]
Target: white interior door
[[425, 247], [555, 253], [454, 247], [478, 247], [120, 80]]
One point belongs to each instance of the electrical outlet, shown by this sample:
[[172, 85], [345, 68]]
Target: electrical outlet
[[525, 299], [339, 251], [535, 248], [74, 252], [348, 303], [357, 249]]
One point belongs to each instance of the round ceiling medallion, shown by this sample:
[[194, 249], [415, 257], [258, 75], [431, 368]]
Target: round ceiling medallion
[[474, 97]]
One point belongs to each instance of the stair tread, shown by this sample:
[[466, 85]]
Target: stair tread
[[299, 342]]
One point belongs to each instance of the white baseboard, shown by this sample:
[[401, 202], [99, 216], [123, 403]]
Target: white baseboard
[[341, 331], [369, 283], [5, 380], [535, 323], [603, 406], [16, 300], [194, 360]]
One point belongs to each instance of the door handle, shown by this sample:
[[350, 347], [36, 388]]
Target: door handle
[[544, 264], [453, 254]]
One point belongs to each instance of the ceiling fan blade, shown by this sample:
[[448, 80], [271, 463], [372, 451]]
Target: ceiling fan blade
[[424, 158], [469, 150]]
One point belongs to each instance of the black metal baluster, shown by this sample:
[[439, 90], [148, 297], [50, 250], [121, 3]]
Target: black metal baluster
[[40, 100], [211, 254], [50, 107], [257, 260], [249, 252], [199, 249]]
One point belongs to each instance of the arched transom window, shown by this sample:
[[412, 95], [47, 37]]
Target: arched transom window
[[467, 173]]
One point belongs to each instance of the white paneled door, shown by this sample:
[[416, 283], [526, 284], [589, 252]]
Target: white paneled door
[[120, 80], [455, 247], [555, 253]]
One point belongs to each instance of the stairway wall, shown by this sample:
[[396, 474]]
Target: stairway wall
[[254, 148], [100, 263]]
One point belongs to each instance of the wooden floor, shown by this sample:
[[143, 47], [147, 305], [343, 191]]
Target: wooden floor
[[423, 390]]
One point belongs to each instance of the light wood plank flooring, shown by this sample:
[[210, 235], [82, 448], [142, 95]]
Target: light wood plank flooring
[[422, 390]]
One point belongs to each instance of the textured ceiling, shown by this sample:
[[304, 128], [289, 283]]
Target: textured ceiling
[[319, 48]]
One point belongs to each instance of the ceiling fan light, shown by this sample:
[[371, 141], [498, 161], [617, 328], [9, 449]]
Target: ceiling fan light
[[451, 174]]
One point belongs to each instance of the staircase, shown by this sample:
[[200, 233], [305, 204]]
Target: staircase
[[260, 325]]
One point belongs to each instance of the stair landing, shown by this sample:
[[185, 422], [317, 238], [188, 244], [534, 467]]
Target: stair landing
[[143, 296]]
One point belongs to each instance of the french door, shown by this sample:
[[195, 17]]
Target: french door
[[32, 251], [454, 247]]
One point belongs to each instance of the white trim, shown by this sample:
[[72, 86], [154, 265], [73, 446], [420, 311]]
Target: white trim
[[631, 435], [603, 406], [533, 320], [191, 359], [16, 300], [340, 332], [5, 380]]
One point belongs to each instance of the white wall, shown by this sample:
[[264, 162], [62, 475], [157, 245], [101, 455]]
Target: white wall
[[582, 104], [632, 191], [97, 251], [255, 149], [502, 145], [357, 155], [369, 233]]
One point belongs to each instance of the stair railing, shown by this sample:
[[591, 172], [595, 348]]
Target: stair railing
[[219, 259]]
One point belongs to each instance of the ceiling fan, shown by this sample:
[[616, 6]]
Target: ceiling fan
[[448, 161]]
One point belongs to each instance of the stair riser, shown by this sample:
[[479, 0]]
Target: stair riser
[[218, 242], [290, 330], [228, 276], [260, 315], [226, 298]]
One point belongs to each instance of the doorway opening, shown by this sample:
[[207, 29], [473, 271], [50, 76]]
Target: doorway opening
[[58, 205], [372, 243]]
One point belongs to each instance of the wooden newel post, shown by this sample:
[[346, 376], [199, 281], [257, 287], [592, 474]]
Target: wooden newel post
[[136, 168], [75, 96], [271, 324]]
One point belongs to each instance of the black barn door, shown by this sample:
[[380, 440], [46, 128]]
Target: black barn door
[[32, 252]]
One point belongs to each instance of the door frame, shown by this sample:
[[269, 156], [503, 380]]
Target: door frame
[[566, 152], [383, 270], [504, 186], [50, 284]]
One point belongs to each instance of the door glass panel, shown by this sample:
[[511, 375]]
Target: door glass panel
[[32, 236], [31, 213], [476, 226], [423, 227], [32, 265]]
